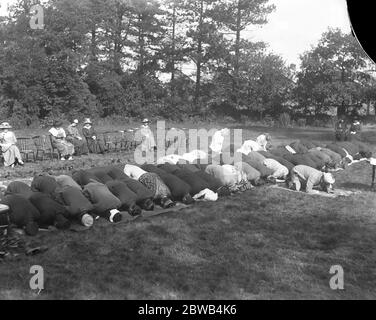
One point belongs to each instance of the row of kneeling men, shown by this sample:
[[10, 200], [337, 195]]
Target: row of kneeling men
[[301, 162], [108, 191]]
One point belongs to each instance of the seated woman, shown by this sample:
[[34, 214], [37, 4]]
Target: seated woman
[[94, 143], [74, 137], [58, 140], [8, 141]]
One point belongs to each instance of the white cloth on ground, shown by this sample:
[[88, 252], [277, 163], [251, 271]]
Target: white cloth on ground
[[206, 195], [290, 149]]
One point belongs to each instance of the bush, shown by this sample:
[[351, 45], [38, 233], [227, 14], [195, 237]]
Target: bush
[[268, 121], [301, 122], [285, 120]]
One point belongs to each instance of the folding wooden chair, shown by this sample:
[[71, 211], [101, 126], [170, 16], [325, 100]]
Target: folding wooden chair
[[43, 147], [26, 146], [112, 139], [126, 140], [54, 149]]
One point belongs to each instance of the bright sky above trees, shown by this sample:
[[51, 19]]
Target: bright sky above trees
[[293, 27]]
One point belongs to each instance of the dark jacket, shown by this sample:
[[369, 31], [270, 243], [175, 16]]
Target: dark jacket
[[298, 147], [336, 148], [109, 173], [350, 147], [121, 191], [264, 171], [178, 187], [281, 160], [21, 210], [101, 197], [300, 159], [46, 184], [188, 166], [196, 183], [21, 188], [75, 201], [50, 210], [83, 177], [279, 151]]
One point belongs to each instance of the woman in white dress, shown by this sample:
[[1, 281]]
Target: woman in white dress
[[58, 136], [8, 141]]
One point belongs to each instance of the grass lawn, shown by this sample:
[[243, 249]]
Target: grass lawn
[[261, 244]]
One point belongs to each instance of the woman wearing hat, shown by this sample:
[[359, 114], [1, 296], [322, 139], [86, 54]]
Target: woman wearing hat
[[74, 137], [58, 136], [95, 145], [10, 151], [147, 137]]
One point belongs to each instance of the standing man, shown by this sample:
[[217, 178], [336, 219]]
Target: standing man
[[74, 137], [147, 137], [355, 130], [341, 130]]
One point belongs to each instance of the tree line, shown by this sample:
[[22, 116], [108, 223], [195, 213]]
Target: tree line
[[168, 59]]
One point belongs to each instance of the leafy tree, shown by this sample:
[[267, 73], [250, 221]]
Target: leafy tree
[[332, 74]]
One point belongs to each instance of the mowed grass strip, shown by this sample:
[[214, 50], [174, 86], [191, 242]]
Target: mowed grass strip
[[261, 244]]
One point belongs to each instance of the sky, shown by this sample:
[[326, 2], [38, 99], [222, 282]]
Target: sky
[[296, 25], [293, 27]]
